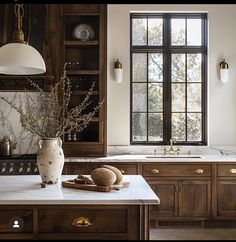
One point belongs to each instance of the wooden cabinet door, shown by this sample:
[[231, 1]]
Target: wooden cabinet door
[[195, 198], [226, 198], [167, 193]]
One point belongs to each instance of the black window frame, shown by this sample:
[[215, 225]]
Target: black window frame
[[167, 50]]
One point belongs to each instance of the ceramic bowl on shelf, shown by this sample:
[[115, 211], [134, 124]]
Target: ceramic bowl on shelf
[[83, 32]]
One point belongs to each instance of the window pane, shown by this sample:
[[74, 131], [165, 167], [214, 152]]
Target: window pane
[[194, 97], [139, 97], [139, 67], [155, 97], [177, 31], [178, 97], [155, 127], [178, 126], [155, 67], [194, 126], [194, 32], [139, 31], [194, 67], [139, 127], [178, 67], [155, 30]]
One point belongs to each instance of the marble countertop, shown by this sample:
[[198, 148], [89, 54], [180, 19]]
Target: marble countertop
[[27, 190], [157, 158]]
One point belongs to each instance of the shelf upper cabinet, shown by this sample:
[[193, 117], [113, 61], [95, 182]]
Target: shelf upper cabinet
[[40, 27], [83, 48]]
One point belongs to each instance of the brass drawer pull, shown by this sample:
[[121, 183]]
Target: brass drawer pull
[[155, 171], [81, 222], [232, 171], [199, 171], [122, 171]]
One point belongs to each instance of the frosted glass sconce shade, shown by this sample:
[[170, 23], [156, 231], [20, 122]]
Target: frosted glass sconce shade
[[118, 71], [224, 72]]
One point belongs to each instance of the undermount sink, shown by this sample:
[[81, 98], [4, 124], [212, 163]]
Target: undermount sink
[[174, 156]]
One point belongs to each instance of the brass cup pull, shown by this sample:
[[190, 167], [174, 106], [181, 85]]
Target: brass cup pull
[[199, 171], [81, 222], [155, 171], [122, 171], [232, 171]]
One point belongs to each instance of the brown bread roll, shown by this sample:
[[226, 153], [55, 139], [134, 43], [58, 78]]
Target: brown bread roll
[[119, 176], [103, 176]]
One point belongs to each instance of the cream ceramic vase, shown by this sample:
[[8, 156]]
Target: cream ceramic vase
[[50, 160]]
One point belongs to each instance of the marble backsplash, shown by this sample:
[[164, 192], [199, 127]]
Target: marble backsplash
[[10, 125], [149, 150]]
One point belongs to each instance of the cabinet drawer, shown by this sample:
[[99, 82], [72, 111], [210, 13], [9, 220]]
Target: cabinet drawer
[[87, 220], [177, 170], [84, 169], [126, 169], [6, 215], [227, 170]]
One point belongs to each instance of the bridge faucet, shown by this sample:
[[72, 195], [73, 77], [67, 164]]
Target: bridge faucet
[[171, 150]]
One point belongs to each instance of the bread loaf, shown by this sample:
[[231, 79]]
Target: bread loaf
[[119, 176], [103, 176]]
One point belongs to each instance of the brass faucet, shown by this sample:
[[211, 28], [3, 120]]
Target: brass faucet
[[171, 150]]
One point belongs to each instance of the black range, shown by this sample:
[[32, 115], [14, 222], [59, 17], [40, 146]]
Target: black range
[[18, 164]]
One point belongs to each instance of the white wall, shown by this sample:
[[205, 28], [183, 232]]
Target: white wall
[[222, 44]]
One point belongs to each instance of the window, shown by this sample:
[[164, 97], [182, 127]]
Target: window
[[168, 78]]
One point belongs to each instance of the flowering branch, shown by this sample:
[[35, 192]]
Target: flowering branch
[[50, 117]]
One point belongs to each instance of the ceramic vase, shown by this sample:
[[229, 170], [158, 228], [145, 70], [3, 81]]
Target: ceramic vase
[[50, 160]]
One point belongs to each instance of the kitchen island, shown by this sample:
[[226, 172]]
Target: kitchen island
[[56, 212]]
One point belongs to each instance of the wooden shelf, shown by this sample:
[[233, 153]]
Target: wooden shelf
[[32, 77], [82, 72], [83, 93], [81, 43]]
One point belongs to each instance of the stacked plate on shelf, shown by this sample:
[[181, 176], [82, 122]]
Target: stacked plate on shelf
[[83, 32]]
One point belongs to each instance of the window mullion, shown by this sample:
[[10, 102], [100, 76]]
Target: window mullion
[[167, 82]]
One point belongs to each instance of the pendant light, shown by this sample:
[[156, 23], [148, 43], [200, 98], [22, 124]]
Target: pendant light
[[18, 57]]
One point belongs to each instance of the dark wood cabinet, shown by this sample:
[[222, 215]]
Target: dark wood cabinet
[[51, 29], [85, 168], [83, 50], [184, 191], [77, 222], [226, 190], [167, 192], [195, 198]]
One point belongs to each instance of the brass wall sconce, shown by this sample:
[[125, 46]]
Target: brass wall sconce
[[118, 71], [224, 72]]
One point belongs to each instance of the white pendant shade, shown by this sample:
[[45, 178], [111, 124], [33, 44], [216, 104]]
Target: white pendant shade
[[20, 59]]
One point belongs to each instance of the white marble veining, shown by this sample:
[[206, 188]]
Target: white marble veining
[[157, 158], [27, 190]]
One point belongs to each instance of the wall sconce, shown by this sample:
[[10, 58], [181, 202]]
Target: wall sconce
[[224, 72], [18, 57], [118, 71]]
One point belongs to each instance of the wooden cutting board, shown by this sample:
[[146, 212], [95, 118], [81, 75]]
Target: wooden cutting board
[[94, 187]]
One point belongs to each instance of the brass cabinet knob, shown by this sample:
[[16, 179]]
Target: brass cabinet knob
[[122, 171], [199, 171], [232, 171], [155, 171], [81, 222]]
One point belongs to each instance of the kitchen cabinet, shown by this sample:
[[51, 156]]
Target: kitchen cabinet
[[85, 168], [83, 50], [184, 190], [226, 190], [62, 213]]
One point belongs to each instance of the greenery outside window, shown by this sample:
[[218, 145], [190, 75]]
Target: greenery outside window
[[168, 78]]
